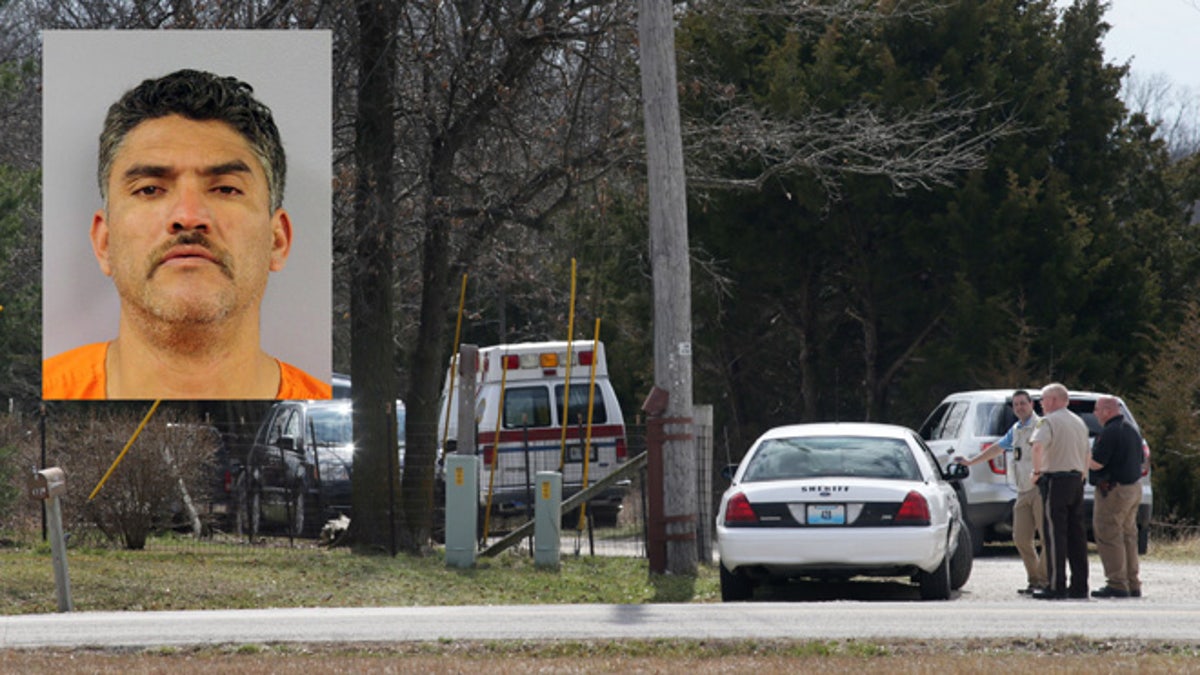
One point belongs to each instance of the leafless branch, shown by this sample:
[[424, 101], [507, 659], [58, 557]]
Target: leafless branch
[[913, 149]]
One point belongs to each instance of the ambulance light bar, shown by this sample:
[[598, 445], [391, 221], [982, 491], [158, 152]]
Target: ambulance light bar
[[547, 361]]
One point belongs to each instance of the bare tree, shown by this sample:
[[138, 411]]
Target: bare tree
[[1174, 109], [375, 465], [506, 109], [177, 14], [923, 149], [914, 148]]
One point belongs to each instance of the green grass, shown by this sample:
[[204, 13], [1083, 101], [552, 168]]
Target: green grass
[[178, 574]]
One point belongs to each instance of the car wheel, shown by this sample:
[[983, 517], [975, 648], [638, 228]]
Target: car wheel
[[297, 523], [735, 586], [606, 517], [962, 561], [976, 534], [1143, 539], [935, 585]]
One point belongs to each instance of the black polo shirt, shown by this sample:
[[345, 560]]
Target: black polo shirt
[[1119, 449]]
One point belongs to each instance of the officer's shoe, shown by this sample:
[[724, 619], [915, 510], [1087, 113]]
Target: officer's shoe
[[1110, 592], [1137, 593], [1048, 594]]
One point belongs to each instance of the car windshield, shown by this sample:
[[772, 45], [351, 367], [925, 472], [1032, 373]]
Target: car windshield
[[331, 426], [823, 456]]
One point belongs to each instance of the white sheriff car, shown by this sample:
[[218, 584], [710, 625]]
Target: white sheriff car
[[835, 501]]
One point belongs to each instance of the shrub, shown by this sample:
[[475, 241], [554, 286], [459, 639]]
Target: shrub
[[9, 491], [18, 455], [162, 475]]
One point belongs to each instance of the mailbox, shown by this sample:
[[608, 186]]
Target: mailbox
[[48, 483]]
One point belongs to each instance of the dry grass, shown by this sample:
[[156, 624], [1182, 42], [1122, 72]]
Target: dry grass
[[1176, 544], [265, 577], [660, 656]]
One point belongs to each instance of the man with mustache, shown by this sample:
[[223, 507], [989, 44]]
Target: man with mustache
[[191, 172]]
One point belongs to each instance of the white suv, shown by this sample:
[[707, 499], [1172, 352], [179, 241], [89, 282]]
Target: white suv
[[966, 422]]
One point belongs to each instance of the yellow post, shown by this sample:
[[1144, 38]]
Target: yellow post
[[122, 455], [462, 298], [487, 513], [562, 446], [587, 445]]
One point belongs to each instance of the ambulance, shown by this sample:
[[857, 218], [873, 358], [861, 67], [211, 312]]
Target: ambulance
[[528, 381]]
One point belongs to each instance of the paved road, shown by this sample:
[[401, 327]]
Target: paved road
[[831, 620], [986, 607]]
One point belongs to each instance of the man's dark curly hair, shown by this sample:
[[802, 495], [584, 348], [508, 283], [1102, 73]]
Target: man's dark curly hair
[[200, 96]]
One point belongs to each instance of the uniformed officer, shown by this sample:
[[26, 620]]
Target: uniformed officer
[[1060, 462], [1116, 465], [1027, 511]]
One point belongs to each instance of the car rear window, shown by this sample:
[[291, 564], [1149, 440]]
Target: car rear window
[[578, 405], [526, 407], [1086, 409], [822, 456]]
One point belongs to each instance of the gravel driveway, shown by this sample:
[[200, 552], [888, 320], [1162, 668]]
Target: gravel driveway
[[996, 576], [999, 573]]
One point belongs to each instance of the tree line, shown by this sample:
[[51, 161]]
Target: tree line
[[887, 202]]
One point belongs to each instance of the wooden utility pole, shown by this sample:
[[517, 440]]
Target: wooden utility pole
[[672, 278]]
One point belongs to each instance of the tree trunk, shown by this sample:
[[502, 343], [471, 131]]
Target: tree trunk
[[376, 470], [672, 276], [425, 374]]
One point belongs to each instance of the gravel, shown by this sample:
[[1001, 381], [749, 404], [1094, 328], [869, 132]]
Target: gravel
[[998, 573]]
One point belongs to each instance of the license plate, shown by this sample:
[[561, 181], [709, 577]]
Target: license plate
[[826, 514], [575, 454]]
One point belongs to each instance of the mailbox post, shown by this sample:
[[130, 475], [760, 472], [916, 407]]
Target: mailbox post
[[48, 485]]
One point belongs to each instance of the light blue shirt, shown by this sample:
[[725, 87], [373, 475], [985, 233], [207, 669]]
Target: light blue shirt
[[1007, 441]]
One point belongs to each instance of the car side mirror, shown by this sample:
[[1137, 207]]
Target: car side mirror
[[286, 443], [957, 471]]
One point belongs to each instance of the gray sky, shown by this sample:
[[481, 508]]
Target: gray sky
[[1155, 37]]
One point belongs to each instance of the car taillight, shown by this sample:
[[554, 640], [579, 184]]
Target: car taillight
[[622, 451], [739, 512], [1145, 459], [914, 510], [489, 453], [998, 464]]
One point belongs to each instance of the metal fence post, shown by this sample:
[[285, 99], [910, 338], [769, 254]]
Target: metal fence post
[[703, 416]]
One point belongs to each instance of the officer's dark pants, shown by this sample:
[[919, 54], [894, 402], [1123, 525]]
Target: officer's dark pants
[[1066, 536]]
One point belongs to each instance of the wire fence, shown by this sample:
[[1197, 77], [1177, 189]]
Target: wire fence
[[201, 510]]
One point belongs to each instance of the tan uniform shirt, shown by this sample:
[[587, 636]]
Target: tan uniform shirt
[[1064, 438]]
